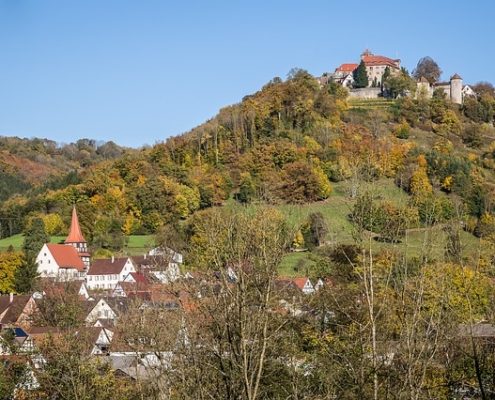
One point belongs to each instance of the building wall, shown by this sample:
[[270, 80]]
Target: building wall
[[109, 281], [101, 311], [365, 93], [456, 91], [377, 71], [47, 266]]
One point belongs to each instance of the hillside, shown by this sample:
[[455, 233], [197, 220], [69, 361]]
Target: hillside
[[42, 164], [293, 142]]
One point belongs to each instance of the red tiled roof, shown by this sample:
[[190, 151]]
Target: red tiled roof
[[107, 266], [371, 60], [348, 67], [139, 277], [75, 234], [300, 282], [66, 256]]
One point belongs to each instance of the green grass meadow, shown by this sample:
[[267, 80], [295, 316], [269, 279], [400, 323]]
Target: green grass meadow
[[136, 244]]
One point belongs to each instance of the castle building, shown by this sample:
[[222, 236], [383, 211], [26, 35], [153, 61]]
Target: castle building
[[376, 66], [454, 90], [76, 239]]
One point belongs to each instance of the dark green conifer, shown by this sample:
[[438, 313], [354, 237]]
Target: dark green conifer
[[360, 76]]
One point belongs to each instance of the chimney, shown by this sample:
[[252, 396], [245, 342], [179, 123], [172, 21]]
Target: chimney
[[113, 259], [11, 299], [145, 256]]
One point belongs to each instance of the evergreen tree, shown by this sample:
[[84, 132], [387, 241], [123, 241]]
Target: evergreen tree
[[386, 74], [34, 239], [25, 275], [360, 76]]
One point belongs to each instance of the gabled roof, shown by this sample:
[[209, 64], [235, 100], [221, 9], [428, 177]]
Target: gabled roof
[[372, 60], [346, 67], [66, 256], [75, 233], [14, 309], [300, 282], [107, 266], [288, 282], [138, 277]]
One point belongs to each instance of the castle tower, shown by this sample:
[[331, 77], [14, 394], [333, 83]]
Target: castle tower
[[456, 89], [423, 88], [76, 239]]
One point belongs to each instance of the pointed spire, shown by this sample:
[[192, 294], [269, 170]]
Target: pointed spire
[[75, 234]]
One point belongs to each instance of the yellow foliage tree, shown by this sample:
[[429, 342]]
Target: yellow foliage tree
[[420, 185], [9, 262], [324, 187], [298, 240], [54, 224]]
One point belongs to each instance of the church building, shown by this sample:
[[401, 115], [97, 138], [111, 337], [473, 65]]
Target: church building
[[69, 261]]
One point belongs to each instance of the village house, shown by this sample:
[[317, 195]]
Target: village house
[[106, 310], [134, 284], [16, 310], [104, 274], [302, 284]]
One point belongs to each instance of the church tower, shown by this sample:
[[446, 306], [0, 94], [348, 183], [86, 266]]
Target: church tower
[[76, 239]]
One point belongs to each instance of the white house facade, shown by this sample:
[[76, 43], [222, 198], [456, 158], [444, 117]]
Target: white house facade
[[104, 274]]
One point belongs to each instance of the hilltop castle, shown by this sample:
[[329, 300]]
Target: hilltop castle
[[376, 66]]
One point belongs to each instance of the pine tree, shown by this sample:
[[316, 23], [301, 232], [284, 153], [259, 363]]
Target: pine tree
[[360, 76], [25, 276], [34, 238]]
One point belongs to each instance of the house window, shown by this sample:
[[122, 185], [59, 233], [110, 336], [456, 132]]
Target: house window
[[48, 261]]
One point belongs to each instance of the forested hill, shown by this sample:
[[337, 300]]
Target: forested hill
[[290, 142], [40, 164]]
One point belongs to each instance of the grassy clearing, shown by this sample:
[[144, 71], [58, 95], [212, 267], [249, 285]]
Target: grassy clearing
[[136, 244], [336, 210], [16, 241], [296, 264], [370, 104]]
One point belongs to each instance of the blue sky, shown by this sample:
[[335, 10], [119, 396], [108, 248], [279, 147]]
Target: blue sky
[[137, 72]]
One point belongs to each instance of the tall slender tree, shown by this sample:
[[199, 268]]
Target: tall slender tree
[[360, 76], [34, 238]]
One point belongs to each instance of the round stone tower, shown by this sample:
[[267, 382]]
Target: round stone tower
[[456, 89]]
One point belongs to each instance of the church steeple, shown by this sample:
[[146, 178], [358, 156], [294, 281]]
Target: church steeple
[[75, 233], [75, 238]]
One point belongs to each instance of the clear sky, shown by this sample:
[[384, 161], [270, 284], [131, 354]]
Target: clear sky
[[137, 72]]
